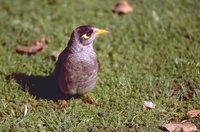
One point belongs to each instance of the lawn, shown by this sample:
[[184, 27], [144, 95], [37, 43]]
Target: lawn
[[151, 54]]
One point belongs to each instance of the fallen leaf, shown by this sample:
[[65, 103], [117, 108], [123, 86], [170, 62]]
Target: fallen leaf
[[185, 126], [33, 48], [122, 7], [193, 113], [55, 55], [148, 105]]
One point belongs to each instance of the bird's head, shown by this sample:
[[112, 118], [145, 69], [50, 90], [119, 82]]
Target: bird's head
[[85, 35]]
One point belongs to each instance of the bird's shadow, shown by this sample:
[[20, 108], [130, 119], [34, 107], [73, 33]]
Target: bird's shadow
[[42, 87]]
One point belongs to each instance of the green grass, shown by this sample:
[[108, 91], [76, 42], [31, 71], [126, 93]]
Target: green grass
[[141, 59]]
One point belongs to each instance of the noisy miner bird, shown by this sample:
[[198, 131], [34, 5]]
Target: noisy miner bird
[[77, 66]]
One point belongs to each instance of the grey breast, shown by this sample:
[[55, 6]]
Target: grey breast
[[79, 73]]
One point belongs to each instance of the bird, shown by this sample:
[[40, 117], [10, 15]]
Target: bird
[[77, 66]]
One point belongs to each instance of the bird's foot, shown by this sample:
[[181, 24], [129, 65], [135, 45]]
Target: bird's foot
[[63, 103], [89, 100]]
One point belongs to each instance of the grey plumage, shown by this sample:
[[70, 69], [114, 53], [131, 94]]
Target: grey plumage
[[77, 66]]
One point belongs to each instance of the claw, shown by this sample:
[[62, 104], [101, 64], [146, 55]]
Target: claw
[[89, 100], [63, 103]]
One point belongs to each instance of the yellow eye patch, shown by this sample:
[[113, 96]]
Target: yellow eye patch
[[85, 36]]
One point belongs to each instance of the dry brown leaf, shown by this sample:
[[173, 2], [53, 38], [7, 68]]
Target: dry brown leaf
[[193, 113], [33, 48], [122, 7], [179, 127], [55, 55]]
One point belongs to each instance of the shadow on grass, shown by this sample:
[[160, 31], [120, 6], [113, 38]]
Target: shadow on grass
[[42, 87]]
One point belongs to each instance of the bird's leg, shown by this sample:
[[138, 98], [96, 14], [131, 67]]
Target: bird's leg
[[62, 103], [89, 100]]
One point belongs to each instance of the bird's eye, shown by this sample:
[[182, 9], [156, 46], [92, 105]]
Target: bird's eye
[[86, 35]]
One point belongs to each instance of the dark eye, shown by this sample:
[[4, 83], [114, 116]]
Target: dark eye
[[88, 34]]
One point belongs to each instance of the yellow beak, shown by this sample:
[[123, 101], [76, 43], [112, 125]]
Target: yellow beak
[[100, 32]]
